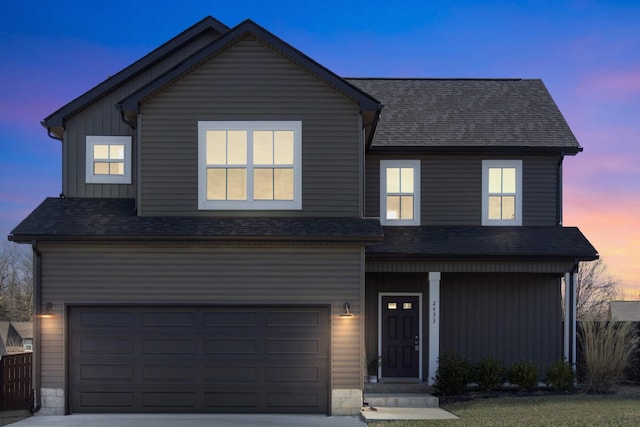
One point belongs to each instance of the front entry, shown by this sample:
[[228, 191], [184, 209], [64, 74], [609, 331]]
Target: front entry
[[400, 335]]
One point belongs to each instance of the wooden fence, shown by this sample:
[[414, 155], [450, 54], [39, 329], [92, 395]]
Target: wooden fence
[[16, 391]]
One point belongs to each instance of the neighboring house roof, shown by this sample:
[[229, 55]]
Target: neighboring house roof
[[131, 104], [78, 219], [468, 115], [625, 311], [57, 119], [25, 329], [483, 242]]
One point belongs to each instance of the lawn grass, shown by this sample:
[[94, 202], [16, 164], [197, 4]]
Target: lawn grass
[[620, 409]]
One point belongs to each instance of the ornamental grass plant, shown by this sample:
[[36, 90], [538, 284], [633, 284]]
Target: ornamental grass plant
[[608, 349]]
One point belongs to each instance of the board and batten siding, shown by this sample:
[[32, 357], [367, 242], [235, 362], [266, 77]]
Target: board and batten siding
[[102, 118], [505, 316], [229, 275], [451, 189], [250, 82]]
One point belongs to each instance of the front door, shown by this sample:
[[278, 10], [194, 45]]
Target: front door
[[400, 335]]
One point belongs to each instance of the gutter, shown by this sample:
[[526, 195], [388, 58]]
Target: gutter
[[37, 327]]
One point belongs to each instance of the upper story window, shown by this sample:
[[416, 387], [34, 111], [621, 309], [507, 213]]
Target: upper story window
[[400, 192], [250, 165], [108, 160], [502, 192]]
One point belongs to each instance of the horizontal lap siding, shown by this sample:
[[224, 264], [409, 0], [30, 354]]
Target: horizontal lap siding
[[504, 316], [540, 182], [451, 189], [250, 82], [222, 275], [102, 118]]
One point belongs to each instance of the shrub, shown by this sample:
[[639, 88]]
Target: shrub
[[488, 373], [608, 349], [560, 375], [452, 375], [523, 374]]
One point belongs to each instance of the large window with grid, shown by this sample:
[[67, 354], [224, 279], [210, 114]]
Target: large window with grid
[[250, 165]]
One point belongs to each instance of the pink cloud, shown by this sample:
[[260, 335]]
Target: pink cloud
[[611, 222], [612, 85]]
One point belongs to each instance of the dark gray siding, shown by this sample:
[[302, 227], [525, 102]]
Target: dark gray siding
[[250, 81], [102, 118], [206, 275], [505, 316], [540, 184], [451, 189], [471, 266], [393, 282]]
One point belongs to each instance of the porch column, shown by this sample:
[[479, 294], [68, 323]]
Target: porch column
[[434, 324], [570, 280]]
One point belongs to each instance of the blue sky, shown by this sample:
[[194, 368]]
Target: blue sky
[[586, 52]]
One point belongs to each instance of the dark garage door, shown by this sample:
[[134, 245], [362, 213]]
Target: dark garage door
[[203, 359]]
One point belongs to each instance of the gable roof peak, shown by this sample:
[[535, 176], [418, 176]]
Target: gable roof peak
[[55, 122]]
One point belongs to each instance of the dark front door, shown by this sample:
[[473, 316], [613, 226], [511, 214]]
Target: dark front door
[[400, 336]]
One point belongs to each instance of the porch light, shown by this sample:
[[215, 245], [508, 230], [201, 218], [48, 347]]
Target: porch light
[[347, 313], [47, 312]]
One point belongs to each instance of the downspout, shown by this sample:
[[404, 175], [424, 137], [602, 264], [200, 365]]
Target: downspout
[[559, 189], [37, 329]]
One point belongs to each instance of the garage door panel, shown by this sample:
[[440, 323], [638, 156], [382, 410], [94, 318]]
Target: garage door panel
[[202, 359]]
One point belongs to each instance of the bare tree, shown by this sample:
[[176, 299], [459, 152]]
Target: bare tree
[[16, 283], [595, 287]]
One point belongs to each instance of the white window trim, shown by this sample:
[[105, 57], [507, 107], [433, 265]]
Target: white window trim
[[92, 178], [295, 204], [415, 164], [486, 165]]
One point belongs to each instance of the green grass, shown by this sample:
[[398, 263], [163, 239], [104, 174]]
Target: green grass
[[621, 409]]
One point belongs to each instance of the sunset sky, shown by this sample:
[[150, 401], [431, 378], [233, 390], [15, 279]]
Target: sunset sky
[[586, 52]]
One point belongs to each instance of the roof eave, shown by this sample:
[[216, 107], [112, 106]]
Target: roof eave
[[466, 149], [57, 119]]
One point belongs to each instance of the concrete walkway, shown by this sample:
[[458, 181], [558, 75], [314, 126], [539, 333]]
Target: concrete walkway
[[233, 420]]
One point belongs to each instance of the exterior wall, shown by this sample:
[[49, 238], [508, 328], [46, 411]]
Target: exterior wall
[[250, 81], [207, 275], [505, 316], [102, 118], [471, 266], [451, 189]]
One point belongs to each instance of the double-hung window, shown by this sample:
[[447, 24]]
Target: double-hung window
[[400, 192], [250, 165], [108, 160], [502, 192]]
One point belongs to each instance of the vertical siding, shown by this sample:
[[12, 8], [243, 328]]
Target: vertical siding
[[206, 275], [504, 316], [250, 81], [451, 189], [102, 118]]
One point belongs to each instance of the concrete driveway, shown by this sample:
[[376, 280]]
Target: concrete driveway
[[189, 420]]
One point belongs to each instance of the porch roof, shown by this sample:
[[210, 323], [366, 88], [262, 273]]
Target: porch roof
[[116, 220], [482, 242]]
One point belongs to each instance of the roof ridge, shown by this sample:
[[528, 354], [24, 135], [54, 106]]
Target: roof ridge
[[443, 78]]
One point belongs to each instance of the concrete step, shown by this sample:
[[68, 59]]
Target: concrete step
[[401, 400]]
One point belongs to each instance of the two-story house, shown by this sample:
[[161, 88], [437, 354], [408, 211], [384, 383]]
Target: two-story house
[[239, 228]]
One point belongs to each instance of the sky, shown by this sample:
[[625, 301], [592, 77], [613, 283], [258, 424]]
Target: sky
[[586, 52]]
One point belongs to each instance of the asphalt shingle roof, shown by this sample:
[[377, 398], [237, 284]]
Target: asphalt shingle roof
[[481, 242], [116, 219], [467, 113]]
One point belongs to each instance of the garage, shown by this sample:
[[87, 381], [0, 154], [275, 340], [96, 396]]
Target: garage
[[151, 359]]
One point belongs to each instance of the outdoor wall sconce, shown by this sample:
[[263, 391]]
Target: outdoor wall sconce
[[347, 313], [47, 312]]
